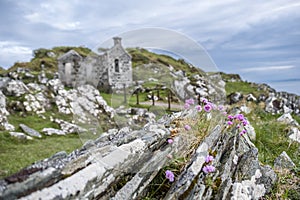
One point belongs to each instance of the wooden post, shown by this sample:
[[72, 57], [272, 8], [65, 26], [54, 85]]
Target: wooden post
[[152, 97], [124, 89], [137, 96], [169, 99]]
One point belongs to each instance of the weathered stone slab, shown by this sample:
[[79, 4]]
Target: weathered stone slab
[[283, 161], [72, 186], [53, 131], [20, 135], [295, 134], [30, 131]]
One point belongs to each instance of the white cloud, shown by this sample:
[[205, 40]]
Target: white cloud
[[8, 47], [11, 52], [268, 68], [220, 24], [210, 22], [59, 15]]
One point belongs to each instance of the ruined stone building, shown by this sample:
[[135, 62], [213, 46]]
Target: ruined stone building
[[112, 69]]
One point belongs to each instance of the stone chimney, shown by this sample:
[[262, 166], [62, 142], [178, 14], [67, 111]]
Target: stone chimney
[[117, 41]]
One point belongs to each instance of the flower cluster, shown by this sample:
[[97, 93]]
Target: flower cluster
[[188, 103], [209, 159], [198, 108], [207, 106], [170, 175], [232, 120], [241, 122], [208, 168], [170, 141]]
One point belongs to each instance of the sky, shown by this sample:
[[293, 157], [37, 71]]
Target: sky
[[260, 40]]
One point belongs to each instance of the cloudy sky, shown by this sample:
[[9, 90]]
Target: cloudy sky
[[258, 39]]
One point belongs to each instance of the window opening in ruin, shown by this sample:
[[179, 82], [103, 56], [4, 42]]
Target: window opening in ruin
[[117, 68]]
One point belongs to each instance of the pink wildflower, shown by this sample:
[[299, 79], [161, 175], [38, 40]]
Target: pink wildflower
[[190, 101], [170, 175], [243, 132], [170, 141], [229, 123], [208, 169], [209, 158], [230, 117], [186, 106], [220, 107], [187, 127], [240, 117], [245, 122], [198, 108], [204, 100], [207, 108]]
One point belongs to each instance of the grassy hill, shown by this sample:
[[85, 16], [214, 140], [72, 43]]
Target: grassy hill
[[49, 56], [139, 56], [143, 56]]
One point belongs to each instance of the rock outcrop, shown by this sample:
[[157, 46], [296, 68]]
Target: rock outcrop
[[275, 102], [235, 97], [44, 99], [15, 88], [82, 101], [3, 114], [210, 86], [282, 102], [121, 164]]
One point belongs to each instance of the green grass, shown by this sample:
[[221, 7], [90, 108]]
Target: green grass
[[116, 100], [242, 87], [36, 122], [142, 56], [2, 70], [32, 121], [296, 117], [16, 154], [272, 137]]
